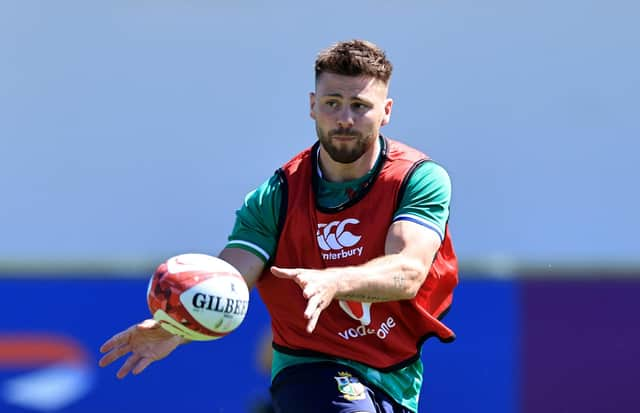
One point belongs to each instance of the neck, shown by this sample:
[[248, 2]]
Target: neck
[[340, 172]]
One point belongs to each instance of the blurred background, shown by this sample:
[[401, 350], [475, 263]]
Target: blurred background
[[130, 131]]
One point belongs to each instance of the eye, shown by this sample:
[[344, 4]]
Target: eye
[[331, 103], [360, 106]]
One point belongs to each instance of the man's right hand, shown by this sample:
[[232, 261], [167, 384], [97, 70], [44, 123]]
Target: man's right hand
[[147, 342]]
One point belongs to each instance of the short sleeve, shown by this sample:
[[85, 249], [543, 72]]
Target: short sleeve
[[256, 225], [426, 198]]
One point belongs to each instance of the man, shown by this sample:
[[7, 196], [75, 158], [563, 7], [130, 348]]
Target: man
[[348, 246]]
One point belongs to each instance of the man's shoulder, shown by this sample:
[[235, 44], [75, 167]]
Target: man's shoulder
[[397, 150], [429, 174]]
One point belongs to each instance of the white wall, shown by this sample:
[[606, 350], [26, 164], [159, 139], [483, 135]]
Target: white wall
[[133, 129]]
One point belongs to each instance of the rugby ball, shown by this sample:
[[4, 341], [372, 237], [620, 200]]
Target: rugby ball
[[198, 296]]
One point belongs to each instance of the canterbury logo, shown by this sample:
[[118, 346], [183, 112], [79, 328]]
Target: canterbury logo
[[333, 236]]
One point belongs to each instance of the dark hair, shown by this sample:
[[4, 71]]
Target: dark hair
[[354, 58]]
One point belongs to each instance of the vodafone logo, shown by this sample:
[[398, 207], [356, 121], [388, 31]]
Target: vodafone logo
[[360, 311], [336, 240]]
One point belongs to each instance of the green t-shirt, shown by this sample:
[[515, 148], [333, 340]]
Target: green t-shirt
[[425, 201]]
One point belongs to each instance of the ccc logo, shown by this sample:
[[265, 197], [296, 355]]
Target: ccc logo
[[332, 236]]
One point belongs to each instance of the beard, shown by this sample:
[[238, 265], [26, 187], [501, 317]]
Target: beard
[[344, 152]]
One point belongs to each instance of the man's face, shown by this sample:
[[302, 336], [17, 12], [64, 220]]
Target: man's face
[[349, 112]]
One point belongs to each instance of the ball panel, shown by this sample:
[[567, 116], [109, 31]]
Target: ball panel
[[199, 262], [218, 303], [168, 323], [197, 296]]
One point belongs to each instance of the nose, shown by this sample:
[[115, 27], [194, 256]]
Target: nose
[[345, 118]]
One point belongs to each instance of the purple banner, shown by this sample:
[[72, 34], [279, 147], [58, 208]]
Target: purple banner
[[580, 346]]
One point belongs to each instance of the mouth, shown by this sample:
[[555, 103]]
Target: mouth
[[343, 138]]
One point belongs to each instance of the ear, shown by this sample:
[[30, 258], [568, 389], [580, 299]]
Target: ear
[[312, 105], [388, 105]]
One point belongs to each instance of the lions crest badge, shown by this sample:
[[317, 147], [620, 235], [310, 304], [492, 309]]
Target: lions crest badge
[[349, 386]]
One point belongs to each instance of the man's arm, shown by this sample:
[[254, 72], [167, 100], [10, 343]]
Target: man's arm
[[247, 263], [398, 275], [148, 342]]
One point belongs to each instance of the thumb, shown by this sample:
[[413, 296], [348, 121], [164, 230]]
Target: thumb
[[148, 324], [289, 273]]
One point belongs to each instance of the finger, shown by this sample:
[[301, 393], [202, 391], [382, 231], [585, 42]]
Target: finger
[[314, 320], [320, 305], [142, 364], [313, 304], [128, 365], [114, 355], [116, 341], [148, 324], [308, 291], [289, 273]]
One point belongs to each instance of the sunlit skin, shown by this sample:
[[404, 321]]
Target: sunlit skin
[[349, 112]]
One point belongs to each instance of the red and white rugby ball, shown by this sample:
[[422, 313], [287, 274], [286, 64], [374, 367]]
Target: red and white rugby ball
[[198, 297]]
